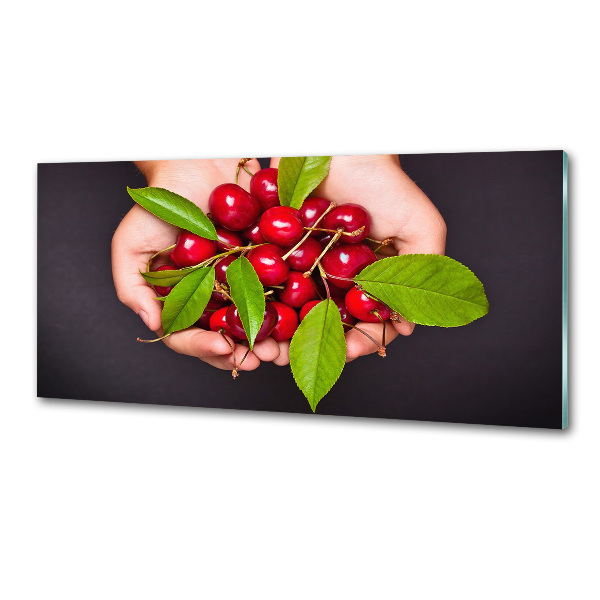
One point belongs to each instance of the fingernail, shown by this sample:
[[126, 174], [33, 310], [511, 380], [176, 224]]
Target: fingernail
[[145, 317]]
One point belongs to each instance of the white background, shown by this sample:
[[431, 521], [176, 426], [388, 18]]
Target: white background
[[125, 502]]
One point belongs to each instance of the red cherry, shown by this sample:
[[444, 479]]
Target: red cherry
[[298, 290], [268, 263], [347, 318], [233, 207], [218, 297], [236, 327], [306, 308], [281, 225], [311, 210], [213, 305], [287, 322], [362, 306], [191, 249], [325, 238], [290, 210], [218, 320], [333, 291], [227, 240], [159, 289], [221, 267], [253, 234], [349, 217], [304, 257], [263, 186], [347, 260], [204, 321], [215, 301]]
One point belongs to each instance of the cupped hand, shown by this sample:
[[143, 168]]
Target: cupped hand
[[399, 210], [140, 235]]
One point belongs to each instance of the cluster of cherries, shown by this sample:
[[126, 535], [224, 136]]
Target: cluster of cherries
[[300, 256]]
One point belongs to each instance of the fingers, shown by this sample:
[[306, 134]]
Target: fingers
[[358, 344], [199, 343], [131, 288], [266, 350], [275, 162], [212, 348], [284, 354], [403, 327], [250, 363]]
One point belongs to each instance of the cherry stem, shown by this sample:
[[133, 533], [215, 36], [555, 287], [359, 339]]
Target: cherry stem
[[244, 358], [248, 171], [340, 278], [241, 164], [382, 347], [218, 257], [350, 233], [365, 333], [155, 340], [219, 288], [307, 234], [268, 293], [381, 243], [333, 240], [155, 255], [324, 278], [234, 372]]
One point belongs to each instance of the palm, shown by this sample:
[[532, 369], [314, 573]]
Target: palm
[[140, 235], [399, 210], [147, 234]]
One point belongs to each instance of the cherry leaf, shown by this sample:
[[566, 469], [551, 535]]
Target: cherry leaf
[[166, 278], [248, 295], [318, 351], [174, 209], [427, 289], [187, 300], [298, 176]]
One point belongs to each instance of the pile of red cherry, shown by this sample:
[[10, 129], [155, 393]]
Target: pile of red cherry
[[287, 268]]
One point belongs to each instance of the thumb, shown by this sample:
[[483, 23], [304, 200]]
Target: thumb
[[131, 288]]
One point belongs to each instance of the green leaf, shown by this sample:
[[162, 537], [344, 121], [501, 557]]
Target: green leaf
[[318, 351], [248, 295], [298, 176], [166, 278], [426, 288], [174, 209], [187, 300]]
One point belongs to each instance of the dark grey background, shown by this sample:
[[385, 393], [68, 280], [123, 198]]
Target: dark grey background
[[504, 217]]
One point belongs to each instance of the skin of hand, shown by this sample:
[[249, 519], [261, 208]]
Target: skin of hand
[[399, 210], [140, 235]]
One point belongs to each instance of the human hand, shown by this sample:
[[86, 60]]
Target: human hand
[[140, 235], [399, 210]]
